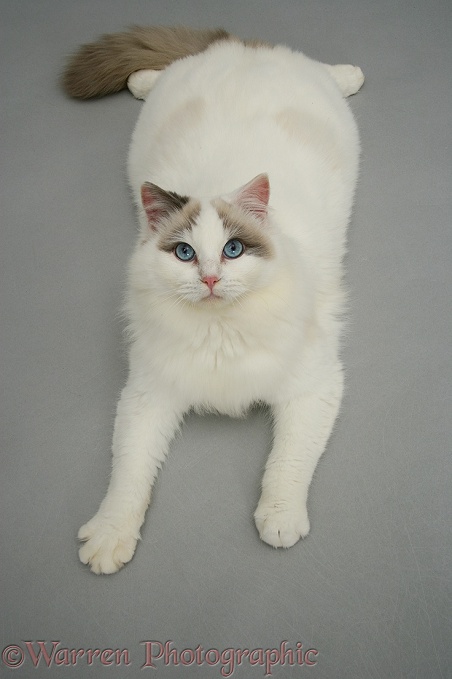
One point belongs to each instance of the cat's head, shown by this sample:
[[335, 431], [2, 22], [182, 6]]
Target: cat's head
[[207, 251]]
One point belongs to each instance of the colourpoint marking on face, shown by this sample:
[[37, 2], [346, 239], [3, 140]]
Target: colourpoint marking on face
[[211, 241]]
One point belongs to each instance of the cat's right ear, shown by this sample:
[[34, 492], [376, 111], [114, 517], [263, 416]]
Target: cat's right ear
[[159, 204]]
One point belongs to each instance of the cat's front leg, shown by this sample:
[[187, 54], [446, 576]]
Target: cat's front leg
[[302, 427], [144, 427]]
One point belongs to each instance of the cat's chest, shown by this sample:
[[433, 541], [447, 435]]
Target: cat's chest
[[219, 344], [222, 366]]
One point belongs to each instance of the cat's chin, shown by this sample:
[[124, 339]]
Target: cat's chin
[[217, 300], [213, 302], [212, 298], [208, 301]]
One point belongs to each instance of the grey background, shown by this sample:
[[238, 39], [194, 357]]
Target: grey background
[[370, 587]]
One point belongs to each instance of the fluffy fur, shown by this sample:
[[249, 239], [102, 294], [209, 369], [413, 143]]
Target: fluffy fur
[[258, 145], [102, 67]]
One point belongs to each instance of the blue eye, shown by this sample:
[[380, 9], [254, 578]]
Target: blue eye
[[233, 249], [184, 252]]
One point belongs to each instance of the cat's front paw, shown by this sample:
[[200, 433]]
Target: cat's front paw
[[281, 523], [107, 547]]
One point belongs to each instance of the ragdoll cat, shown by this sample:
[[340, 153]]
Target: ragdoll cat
[[243, 166]]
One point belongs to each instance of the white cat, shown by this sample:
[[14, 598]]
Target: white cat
[[243, 166]]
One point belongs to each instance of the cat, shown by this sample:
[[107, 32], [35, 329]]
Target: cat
[[243, 166]]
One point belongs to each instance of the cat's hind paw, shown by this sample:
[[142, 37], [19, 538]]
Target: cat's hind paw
[[349, 78], [107, 548], [279, 524], [140, 83]]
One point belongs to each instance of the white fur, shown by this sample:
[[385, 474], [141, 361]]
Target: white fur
[[140, 83], [210, 124]]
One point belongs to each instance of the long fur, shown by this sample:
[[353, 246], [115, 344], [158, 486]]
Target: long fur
[[102, 67], [255, 144]]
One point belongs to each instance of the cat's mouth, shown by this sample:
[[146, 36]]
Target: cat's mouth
[[212, 297]]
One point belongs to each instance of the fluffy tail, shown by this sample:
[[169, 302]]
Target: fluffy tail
[[102, 67]]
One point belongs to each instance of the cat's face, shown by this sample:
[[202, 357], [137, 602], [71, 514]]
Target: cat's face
[[209, 252]]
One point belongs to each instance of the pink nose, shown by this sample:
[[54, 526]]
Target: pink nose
[[210, 281]]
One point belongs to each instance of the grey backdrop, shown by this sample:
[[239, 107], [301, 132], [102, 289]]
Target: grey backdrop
[[370, 588]]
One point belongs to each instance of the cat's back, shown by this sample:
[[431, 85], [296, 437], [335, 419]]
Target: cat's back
[[248, 80], [215, 120]]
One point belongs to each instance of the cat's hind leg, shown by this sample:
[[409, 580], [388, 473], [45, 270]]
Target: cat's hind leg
[[141, 82], [349, 78]]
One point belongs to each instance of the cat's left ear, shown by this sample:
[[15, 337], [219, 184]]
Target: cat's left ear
[[159, 203], [253, 197]]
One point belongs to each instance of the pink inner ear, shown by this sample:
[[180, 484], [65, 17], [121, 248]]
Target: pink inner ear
[[255, 195], [159, 203], [152, 204]]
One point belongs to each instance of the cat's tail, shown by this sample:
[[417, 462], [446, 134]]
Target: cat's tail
[[103, 67]]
